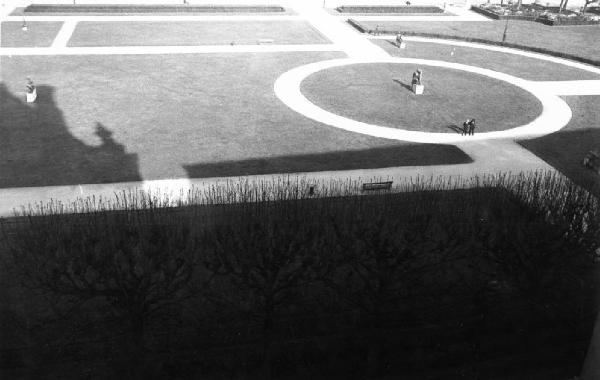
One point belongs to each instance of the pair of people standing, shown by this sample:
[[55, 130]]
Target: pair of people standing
[[469, 127]]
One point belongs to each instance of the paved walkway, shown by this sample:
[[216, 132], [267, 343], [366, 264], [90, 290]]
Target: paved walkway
[[500, 154]]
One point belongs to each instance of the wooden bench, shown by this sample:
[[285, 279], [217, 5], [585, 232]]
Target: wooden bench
[[264, 41], [377, 186]]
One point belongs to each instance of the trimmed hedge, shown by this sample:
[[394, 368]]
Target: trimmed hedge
[[388, 9], [84, 8], [496, 16], [566, 21], [541, 19], [364, 29]]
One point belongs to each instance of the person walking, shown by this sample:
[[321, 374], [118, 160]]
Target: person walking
[[466, 127], [399, 40], [472, 127]]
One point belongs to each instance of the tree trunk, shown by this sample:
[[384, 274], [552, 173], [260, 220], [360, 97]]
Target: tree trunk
[[267, 341], [376, 347]]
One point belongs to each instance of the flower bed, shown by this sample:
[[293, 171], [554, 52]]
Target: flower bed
[[538, 13], [497, 12], [62, 8], [388, 9]]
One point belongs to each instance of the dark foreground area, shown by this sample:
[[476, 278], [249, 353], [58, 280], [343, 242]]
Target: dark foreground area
[[495, 282]]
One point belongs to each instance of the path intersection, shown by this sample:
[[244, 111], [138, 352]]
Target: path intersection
[[491, 152]]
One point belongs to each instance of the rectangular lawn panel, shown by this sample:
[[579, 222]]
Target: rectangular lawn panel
[[513, 64], [581, 41], [38, 34], [148, 33], [566, 148], [123, 118]]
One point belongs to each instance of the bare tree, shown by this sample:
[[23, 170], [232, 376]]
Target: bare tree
[[134, 269], [264, 261]]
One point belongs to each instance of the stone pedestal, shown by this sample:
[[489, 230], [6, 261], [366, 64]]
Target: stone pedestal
[[418, 89], [32, 96]]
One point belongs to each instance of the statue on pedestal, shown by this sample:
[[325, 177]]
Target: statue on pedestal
[[417, 85], [31, 91]]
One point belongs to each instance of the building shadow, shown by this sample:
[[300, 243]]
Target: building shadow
[[401, 155], [565, 150], [37, 149]]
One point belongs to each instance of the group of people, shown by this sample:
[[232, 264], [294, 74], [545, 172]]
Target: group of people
[[468, 127]]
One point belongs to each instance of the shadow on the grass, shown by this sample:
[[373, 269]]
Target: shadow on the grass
[[565, 150], [37, 149], [405, 85], [403, 155]]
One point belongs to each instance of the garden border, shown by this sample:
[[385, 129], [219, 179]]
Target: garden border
[[388, 9], [132, 8], [364, 29]]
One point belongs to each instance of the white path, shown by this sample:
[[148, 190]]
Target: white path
[[65, 33], [555, 112], [569, 88], [339, 32], [147, 50]]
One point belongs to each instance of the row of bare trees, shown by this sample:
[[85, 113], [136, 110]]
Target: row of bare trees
[[352, 268]]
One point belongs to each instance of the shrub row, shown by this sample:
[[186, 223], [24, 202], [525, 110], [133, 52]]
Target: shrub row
[[496, 16], [263, 278], [365, 29], [541, 19], [84, 8], [389, 9]]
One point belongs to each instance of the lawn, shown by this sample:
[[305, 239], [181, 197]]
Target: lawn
[[577, 40], [144, 33], [380, 94], [565, 149], [125, 118], [39, 34], [519, 66]]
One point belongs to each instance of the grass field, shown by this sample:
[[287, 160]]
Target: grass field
[[565, 149], [144, 33], [380, 94], [523, 67], [578, 40], [121, 118], [39, 34]]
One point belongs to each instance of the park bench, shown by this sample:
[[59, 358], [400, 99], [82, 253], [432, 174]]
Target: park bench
[[377, 185]]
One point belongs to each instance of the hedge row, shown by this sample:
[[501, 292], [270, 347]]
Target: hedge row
[[364, 29], [496, 16], [543, 20], [389, 9], [352, 286], [84, 8]]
